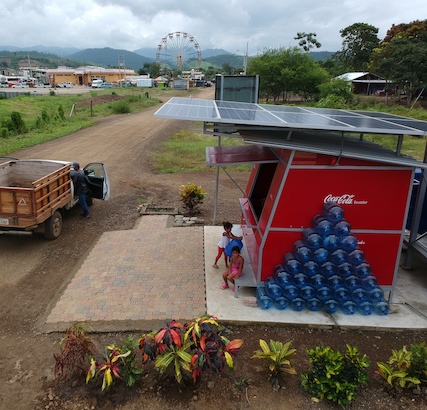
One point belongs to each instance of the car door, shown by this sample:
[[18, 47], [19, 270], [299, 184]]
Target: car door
[[97, 180]]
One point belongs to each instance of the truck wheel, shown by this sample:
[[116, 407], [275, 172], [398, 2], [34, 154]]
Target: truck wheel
[[53, 226]]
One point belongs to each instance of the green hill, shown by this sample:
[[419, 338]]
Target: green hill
[[110, 57], [15, 59]]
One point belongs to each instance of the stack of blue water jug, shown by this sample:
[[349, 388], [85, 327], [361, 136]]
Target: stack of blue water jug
[[326, 270]]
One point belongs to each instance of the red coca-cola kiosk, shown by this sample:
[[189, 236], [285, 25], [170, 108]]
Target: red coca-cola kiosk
[[303, 157], [282, 198]]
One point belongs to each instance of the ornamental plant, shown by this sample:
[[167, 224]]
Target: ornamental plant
[[192, 197], [396, 372], [110, 368], [196, 348], [335, 376], [76, 347], [418, 366], [276, 355]]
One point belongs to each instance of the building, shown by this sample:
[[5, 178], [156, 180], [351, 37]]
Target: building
[[86, 74], [365, 82]]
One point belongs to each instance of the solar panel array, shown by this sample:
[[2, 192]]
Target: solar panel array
[[230, 112]]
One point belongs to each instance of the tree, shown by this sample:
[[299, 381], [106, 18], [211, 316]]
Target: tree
[[402, 57], [284, 71], [360, 40], [307, 41], [150, 68]]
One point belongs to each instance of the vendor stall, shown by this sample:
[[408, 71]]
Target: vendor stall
[[304, 157]]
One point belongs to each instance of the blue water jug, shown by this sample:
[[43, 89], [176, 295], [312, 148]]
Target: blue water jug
[[330, 306], [301, 280], [342, 295], [310, 268], [324, 293], [279, 269], [281, 303], [363, 270], [297, 304], [381, 308], [322, 225], [339, 256], [272, 287], [352, 282], [333, 212], [349, 242], [308, 292], [359, 296], [370, 282], [312, 238], [314, 304], [346, 269], [320, 255], [291, 263], [365, 308], [328, 269], [335, 282], [318, 281], [284, 279], [348, 307], [342, 228], [229, 248], [356, 257], [331, 242], [302, 252], [290, 292], [264, 302], [375, 295]]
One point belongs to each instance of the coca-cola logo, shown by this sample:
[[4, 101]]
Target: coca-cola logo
[[340, 200], [345, 199]]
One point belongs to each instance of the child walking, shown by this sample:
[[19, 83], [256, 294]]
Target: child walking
[[224, 241], [235, 268]]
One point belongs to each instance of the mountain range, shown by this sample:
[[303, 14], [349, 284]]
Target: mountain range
[[109, 57]]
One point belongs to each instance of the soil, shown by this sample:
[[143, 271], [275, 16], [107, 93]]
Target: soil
[[33, 270]]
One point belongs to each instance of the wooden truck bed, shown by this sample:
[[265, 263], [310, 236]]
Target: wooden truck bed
[[31, 191]]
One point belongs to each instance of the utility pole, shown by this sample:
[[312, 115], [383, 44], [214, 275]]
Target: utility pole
[[121, 63]]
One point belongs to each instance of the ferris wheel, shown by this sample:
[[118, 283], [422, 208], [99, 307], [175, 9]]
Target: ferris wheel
[[179, 51]]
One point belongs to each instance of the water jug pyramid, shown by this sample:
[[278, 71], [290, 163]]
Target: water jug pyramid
[[325, 270]]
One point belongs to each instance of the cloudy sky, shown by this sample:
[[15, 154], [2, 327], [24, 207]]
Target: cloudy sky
[[228, 24]]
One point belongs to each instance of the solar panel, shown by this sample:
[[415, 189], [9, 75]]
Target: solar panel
[[310, 118]]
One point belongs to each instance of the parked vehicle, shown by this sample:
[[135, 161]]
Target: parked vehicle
[[34, 194], [65, 84], [105, 85], [96, 82], [23, 85]]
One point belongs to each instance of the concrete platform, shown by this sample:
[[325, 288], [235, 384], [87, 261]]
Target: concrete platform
[[409, 305], [140, 278]]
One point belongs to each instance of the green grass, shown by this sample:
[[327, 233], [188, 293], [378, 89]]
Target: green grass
[[31, 108], [185, 152]]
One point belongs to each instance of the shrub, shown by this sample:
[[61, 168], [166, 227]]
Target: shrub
[[17, 123], [191, 197], [52, 93], [335, 376], [121, 107], [277, 357], [4, 132], [396, 371], [195, 348], [76, 348], [110, 368], [418, 368]]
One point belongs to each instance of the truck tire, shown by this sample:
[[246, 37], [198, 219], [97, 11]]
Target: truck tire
[[53, 226]]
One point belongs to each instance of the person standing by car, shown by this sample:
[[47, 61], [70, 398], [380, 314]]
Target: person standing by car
[[80, 188]]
